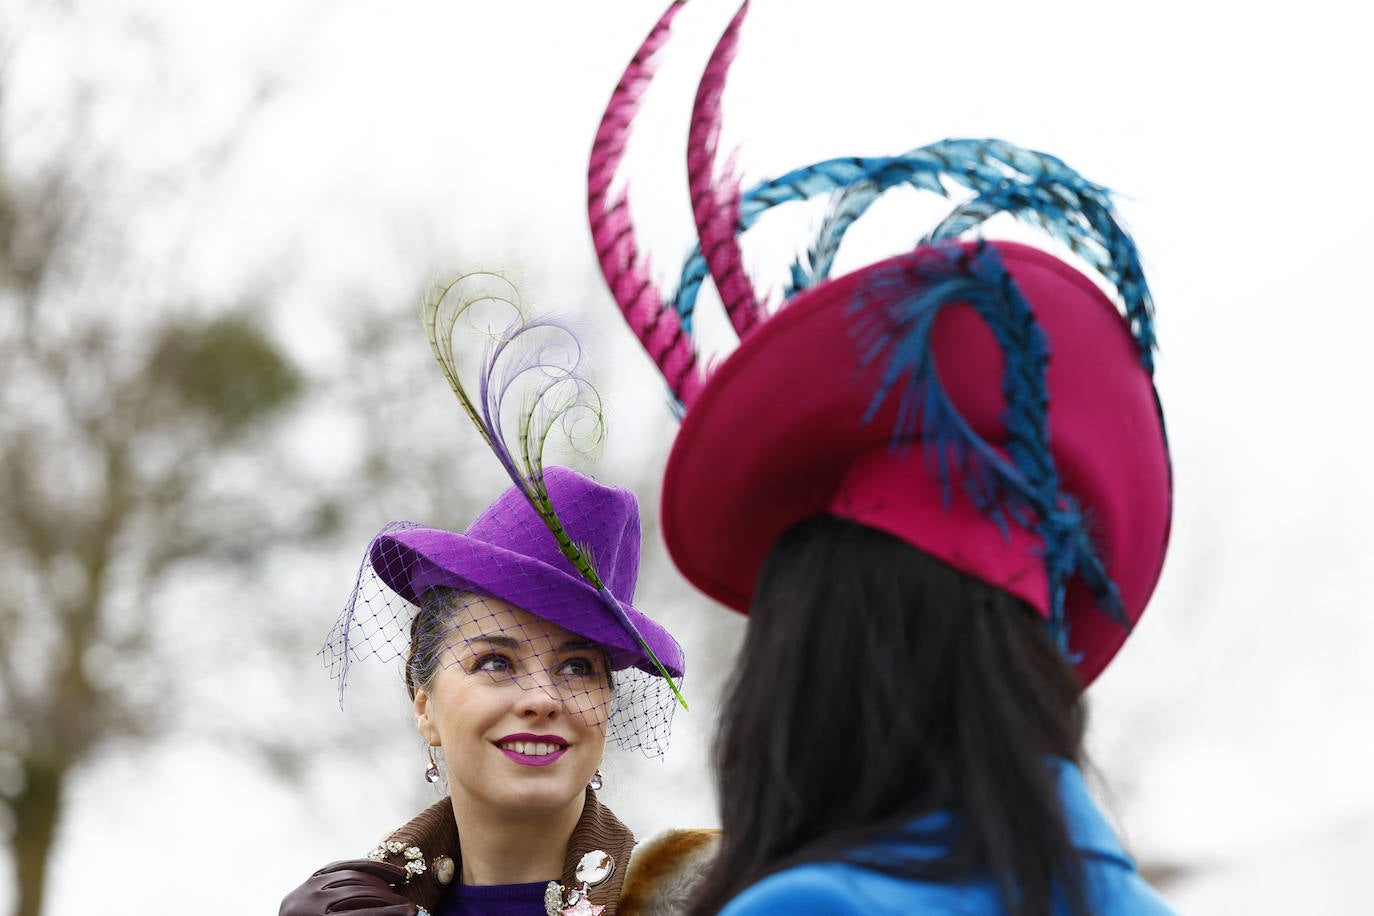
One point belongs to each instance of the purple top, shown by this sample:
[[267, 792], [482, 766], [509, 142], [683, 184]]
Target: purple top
[[493, 900]]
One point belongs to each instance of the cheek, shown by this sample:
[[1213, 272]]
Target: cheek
[[468, 707], [590, 707]]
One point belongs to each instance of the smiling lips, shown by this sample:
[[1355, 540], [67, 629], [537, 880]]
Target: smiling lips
[[533, 750]]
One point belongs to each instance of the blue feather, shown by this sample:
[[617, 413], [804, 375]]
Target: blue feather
[[894, 316], [1035, 187]]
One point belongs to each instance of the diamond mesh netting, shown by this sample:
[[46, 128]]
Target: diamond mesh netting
[[475, 613]]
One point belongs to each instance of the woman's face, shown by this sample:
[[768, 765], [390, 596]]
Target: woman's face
[[519, 706]]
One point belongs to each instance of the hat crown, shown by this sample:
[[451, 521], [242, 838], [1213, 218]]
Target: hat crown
[[602, 521]]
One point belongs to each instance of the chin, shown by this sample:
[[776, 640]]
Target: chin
[[541, 795]]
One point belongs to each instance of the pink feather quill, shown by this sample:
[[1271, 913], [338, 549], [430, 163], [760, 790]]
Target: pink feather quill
[[716, 205], [656, 325]]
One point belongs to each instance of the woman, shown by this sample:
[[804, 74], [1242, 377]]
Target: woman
[[522, 654], [940, 488], [903, 670], [518, 672]]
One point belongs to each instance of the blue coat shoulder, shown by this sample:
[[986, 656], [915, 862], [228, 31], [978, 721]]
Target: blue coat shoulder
[[833, 889], [1112, 884], [839, 890]]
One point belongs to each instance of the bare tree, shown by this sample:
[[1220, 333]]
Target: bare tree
[[109, 480], [132, 440]]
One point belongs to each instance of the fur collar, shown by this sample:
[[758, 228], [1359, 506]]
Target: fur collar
[[665, 872]]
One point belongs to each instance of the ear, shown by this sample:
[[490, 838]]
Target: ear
[[423, 723]]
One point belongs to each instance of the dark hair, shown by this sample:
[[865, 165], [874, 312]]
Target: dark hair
[[428, 635], [877, 684]]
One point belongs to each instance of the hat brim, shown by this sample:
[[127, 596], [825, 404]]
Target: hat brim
[[776, 428], [413, 561]]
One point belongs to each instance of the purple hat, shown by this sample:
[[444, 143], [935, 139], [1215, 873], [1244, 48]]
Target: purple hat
[[510, 554]]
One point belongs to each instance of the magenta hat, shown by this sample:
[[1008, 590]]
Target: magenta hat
[[982, 400], [781, 431], [510, 554]]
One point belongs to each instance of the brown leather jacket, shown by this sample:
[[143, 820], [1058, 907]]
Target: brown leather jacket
[[655, 879]]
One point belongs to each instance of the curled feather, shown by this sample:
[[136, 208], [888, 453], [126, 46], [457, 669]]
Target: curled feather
[[797, 185], [1004, 178], [844, 212], [894, 317], [540, 362]]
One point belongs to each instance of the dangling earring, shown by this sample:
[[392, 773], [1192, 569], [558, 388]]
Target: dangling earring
[[432, 774], [595, 781]]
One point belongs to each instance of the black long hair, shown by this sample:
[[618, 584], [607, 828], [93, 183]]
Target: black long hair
[[877, 684]]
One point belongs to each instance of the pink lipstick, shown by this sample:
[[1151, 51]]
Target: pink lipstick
[[533, 750]]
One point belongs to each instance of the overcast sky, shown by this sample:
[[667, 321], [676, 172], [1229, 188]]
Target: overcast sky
[[1233, 733]]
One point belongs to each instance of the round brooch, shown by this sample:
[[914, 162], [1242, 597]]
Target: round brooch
[[594, 868]]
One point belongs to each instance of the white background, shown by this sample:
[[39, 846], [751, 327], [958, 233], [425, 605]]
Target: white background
[[1233, 736]]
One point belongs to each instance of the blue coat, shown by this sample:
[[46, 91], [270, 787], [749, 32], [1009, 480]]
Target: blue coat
[[1112, 884]]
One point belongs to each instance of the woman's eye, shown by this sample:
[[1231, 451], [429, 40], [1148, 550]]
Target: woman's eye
[[493, 663], [577, 667]]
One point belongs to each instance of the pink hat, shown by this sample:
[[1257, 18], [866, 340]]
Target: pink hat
[[780, 433], [982, 400]]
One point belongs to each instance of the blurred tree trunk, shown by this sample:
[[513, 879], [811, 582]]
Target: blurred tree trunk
[[35, 811]]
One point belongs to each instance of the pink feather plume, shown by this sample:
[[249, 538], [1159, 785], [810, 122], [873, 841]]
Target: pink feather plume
[[716, 204], [656, 325]]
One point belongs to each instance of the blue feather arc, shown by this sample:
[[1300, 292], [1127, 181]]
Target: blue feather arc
[[893, 318], [1035, 187]]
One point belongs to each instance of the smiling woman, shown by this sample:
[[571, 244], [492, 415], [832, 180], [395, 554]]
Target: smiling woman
[[518, 672], [523, 656], [519, 704]]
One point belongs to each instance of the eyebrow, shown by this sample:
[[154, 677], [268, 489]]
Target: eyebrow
[[508, 643], [504, 641]]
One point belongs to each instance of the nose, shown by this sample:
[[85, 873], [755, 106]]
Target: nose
[[540, 699]]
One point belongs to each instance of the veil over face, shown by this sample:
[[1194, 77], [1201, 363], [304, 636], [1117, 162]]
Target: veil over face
[[508, 556], [519, 705]]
